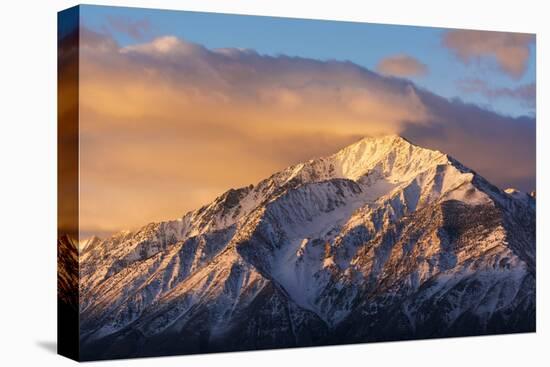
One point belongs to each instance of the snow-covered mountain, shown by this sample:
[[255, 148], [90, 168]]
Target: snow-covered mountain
[[383, 240]]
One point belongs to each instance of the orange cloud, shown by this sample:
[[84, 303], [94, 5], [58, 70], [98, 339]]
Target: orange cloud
[[401, 66], [510, 50], [167, 125]]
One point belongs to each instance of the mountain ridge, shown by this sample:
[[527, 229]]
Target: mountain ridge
[[288, 174], [323, 244]]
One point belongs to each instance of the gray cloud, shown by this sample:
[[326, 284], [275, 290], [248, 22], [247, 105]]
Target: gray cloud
[[525, 94], [500, 148]]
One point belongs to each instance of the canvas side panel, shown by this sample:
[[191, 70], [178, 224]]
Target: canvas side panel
[[67, 183]]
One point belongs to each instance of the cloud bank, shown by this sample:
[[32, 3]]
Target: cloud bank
[[509, 50], [168, 125]]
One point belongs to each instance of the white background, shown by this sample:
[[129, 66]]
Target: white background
[[28, 183]]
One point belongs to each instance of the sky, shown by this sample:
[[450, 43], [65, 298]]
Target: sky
[[364, 44], [177, 107]]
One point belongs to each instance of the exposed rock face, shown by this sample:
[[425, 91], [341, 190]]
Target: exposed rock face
[[383, 240], [67, 272]]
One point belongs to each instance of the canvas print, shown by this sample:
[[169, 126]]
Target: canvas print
[[233, 183]]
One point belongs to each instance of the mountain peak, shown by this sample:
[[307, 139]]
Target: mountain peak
[[379, 141], [388, 139], [392, 155], [380, 144]]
